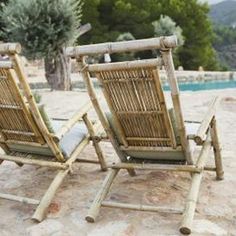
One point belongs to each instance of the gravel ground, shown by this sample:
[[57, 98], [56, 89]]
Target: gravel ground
[[216, 209]]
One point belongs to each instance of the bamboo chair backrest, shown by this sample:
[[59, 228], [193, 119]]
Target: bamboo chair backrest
[[135, 96], [16, 121], [20, 119], [136, 100]]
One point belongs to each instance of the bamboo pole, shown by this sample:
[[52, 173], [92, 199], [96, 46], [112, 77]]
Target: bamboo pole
[[163, 167], [157, 149], [10, 48], [95, 143], [126, 64], [71, 122], [48, 196], [217, 150], [169, 67], [133, 45], [210, 168], [22, 160], [140, 207], [192, 197], [205, 124], [87, 161], [40, 212], [100, 113], [19, 199], [167, 120], [97, 203]]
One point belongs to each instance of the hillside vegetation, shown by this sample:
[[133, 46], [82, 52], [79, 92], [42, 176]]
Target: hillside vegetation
[[223, 16]]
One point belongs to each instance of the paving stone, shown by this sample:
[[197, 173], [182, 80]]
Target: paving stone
[[115, 228], [48, 227], [207, 227]]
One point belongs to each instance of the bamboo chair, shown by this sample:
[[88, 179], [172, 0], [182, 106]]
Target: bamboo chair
[[25, 138], [139, 125]]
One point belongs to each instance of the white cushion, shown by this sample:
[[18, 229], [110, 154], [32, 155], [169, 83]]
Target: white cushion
[[72, 138]]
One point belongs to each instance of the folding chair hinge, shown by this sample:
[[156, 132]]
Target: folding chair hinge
[[96, 139]]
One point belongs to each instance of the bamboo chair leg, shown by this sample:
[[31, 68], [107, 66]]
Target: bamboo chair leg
[[217, 151], [95, 143], [96, 205], [191, 202], [40, 212], [98, 150]]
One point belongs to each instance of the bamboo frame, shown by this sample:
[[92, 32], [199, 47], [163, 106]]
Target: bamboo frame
[[191, 202], [39, 162], [133, 45], [169, 67], [42, 137], [95, 142], [112, 73], [41, 210]]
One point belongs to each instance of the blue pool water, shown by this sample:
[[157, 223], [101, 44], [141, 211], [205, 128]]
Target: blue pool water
[[204, 85]]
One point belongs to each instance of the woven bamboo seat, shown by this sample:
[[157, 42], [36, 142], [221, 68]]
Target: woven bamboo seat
[[139, 124], [25, 137]]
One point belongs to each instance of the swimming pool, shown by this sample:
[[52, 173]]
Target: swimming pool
[[204, 85]]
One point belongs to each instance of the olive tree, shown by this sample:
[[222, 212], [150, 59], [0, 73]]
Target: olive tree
[[44, 28]]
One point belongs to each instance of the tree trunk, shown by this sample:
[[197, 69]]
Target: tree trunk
[[57, 71]]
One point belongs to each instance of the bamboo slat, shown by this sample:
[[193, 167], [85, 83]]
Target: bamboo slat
[[14, 113], [205, 124], [149, 124], [126, 64]]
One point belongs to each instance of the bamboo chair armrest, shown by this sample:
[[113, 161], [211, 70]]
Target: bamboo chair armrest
[[206, 122], [73, 120]]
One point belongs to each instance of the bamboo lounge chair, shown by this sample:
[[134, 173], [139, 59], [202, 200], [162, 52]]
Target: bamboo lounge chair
[[139, 125], [26, 139]]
